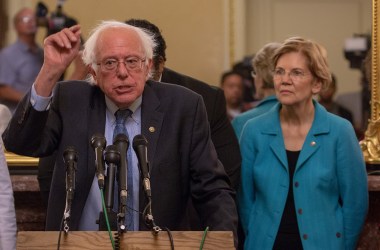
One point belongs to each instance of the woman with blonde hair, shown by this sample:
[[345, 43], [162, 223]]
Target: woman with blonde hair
[[304, 183], [263, 75]]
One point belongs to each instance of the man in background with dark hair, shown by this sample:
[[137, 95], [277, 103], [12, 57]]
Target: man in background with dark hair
[[232, 84], [326, 98], [222, 133]]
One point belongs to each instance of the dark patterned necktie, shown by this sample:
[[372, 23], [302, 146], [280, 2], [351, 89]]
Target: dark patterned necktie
[[121, 117]]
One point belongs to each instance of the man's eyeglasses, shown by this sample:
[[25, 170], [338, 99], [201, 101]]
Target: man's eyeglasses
[[294, 74], [131, 63]]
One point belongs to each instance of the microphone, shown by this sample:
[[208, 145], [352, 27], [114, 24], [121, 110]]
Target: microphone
[[98, 142], [140, 147], [140, 144], [122, 143], [112, 157], [70, 158]]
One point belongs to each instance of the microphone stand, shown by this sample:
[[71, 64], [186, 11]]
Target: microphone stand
[[98, 143], [140, 147], [66, 217], [122, 143], [122, 209], [70, 158], [149, 221], [112, 158]]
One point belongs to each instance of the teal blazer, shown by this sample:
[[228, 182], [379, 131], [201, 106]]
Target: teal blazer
[[329, 183], [263, 106]]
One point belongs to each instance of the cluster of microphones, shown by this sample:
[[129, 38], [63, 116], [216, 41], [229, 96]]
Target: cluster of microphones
[[111, 169]]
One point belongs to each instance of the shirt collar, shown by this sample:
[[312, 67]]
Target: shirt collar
[[133, 107], [25, 47]]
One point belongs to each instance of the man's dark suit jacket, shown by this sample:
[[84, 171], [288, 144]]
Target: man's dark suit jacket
[[222, 133], [183, 161]]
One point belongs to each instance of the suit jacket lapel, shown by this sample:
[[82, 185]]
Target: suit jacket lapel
[[97, 113], [277, 146], [312, 142], [151, 119], [310, 146], [96, 125], [277, 142]]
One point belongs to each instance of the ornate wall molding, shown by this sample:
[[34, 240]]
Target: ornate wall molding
[[371, 142]]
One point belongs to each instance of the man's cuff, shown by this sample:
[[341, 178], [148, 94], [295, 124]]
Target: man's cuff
[[39, 103]]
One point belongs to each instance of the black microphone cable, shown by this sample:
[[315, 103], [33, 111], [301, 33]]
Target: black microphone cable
[[60, 233], [170, 237]]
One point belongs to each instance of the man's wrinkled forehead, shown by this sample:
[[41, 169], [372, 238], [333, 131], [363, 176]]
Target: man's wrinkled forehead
[[119, 39]]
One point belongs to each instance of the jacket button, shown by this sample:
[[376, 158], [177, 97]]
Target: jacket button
[[304, 236], [296, 184], [300, 211], [338, 235]]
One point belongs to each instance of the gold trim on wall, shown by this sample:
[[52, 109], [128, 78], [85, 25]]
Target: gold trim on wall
[[20, 161], [231, 30], [371, 142]]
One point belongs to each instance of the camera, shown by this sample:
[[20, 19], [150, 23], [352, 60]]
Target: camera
[[356, 49], [57, 20]]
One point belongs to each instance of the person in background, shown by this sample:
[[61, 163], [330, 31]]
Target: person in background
[[182, 157], [8, 227], [21, 61], [263, 75], [5, 117], [244, 68], [232, 84], [304, 181], [326, 99], [222, 135]]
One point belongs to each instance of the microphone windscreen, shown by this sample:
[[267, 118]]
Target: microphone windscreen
[[139, 140], [98, 141], [70, 154]]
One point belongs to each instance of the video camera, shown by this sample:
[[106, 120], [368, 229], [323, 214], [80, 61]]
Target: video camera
[[356, 49], [57, 20]]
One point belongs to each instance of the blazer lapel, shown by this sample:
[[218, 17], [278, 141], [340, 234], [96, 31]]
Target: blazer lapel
[[310, 146], [277, 146], [151, 119], [97, 113], [277, 142], [95, 125], [312, 142]]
